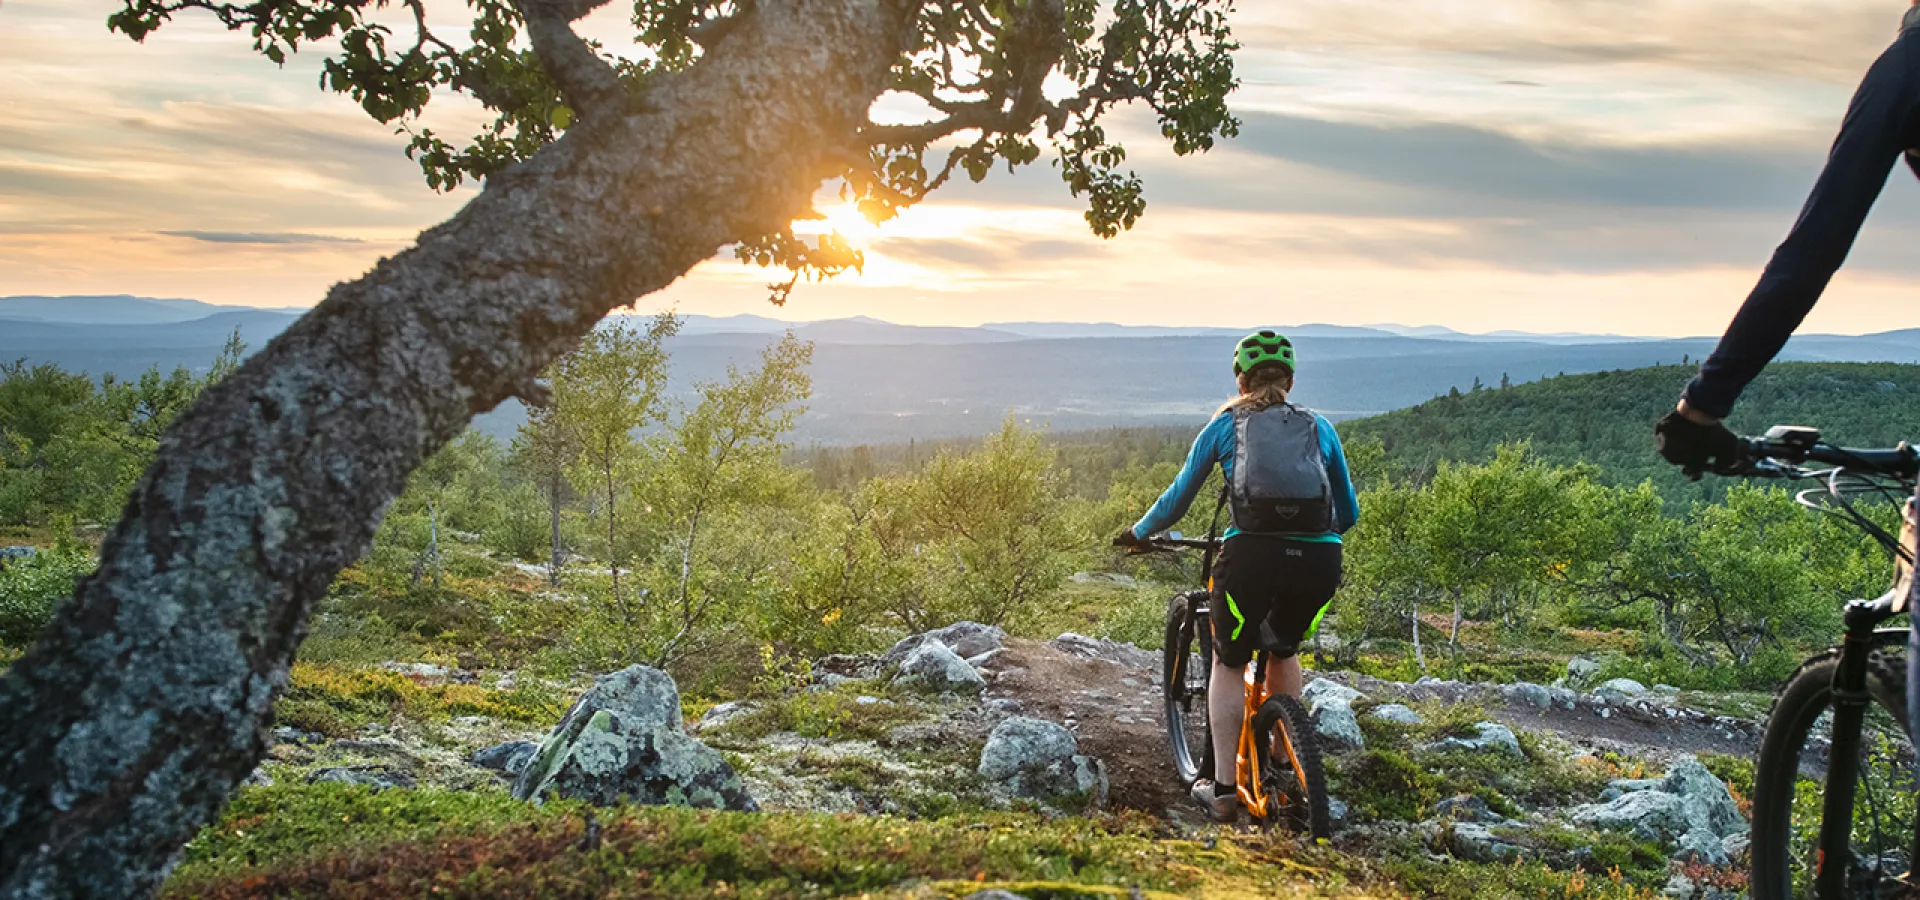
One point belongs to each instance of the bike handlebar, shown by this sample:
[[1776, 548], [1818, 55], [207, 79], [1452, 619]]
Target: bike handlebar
[[1170, 544], [1792, 446]]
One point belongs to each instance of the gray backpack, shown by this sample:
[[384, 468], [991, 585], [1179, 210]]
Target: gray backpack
[[1280, 483]]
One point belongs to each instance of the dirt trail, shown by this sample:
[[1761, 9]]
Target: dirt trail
[[1109, 695]]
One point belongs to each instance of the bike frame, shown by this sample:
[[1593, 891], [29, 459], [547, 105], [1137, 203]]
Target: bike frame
[[1792, 446]]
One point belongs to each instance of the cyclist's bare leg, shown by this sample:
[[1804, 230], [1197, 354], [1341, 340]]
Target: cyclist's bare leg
[[1226, 708], [1284, 677]]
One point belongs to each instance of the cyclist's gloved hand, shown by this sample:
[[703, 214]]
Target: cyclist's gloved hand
[[1696, 448], [1127, 539]]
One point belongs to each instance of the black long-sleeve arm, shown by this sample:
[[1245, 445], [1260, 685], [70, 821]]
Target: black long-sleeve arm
[[1879, 126]]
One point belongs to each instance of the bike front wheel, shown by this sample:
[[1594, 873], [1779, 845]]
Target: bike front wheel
[[1291, 773], [1185, 664], [1789, 780]]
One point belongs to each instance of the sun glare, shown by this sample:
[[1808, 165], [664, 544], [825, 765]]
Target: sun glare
[[844, 218]]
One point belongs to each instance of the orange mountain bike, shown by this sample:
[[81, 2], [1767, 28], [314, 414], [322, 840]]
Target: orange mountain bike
[[1277, 767]]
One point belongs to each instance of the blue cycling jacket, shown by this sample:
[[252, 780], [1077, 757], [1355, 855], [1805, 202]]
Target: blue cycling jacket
[[1215, 446]]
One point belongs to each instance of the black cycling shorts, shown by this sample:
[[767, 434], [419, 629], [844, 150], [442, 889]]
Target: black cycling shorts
[[1262, 578]]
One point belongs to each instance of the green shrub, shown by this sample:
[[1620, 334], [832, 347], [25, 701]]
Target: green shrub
[[30, 589], [1385, 784]]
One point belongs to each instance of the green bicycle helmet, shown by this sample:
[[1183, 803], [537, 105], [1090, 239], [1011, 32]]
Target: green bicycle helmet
[[1261, 348]]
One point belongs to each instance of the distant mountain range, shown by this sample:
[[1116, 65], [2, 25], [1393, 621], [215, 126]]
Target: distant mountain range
[[877, 381]]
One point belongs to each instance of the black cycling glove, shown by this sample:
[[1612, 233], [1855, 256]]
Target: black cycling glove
[[1696, 448], [1126, 539]]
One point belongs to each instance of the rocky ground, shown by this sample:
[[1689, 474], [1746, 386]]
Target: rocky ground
[[965, 718]]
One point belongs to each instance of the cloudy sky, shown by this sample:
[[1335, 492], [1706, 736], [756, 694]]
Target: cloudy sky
[[1548, 165]]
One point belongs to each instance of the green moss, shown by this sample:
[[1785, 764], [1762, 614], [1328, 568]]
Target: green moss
[[337, 701], [317, 841], [1385, 784], [834, 714]]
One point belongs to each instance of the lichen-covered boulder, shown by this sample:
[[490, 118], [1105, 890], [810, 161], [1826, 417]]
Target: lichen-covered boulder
[[1330, 704], [1620, 689], [1526, 693], [1324, 690], [1042, 761], [932, 666], [1488, 736], [1581, 672], [623, 741], [1397, 713], [1337, 727], [1709, 805], [1700, 847], [1655, 815], [965, 639]]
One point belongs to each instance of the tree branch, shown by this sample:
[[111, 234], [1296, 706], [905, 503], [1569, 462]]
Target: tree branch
[[589, 83]]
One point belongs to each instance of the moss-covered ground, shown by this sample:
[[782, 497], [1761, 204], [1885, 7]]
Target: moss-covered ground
[[333, 840]]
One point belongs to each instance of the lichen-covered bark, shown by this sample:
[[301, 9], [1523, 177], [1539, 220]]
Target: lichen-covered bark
[[148, 699]]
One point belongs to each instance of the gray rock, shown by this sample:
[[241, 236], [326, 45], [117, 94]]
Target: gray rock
[[986, 659], [1127, 581], [510, 758], [1709, 805], [1042, 761], [377, 777], [1466, 808], [857, 667], [258, 778], [1700, 847], [1620, 689], [623, 741], [17, 554], [1581, 672], [1474, 842], [932, 666], [1339, 730], [1337, 811], [1667, 689], [428, 671], [1563, 698], [1322, 690], [1735, 846], [1679, 887], [864, 700], [963, 638], [1109, 651], [1398, 714], [995, 895], [1492, 736], [1654, 815], [284, 735], [1528, 694], [1620, 786], [723, 713]]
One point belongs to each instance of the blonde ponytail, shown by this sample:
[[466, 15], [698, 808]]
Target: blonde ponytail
[[1263, 387]]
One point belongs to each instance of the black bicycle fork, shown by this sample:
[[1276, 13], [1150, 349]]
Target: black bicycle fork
[[1834, 859]]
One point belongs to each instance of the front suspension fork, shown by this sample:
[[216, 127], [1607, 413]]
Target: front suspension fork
[[1834, 858]]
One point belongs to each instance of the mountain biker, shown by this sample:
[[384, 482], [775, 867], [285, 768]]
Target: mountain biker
[[1291, 498], [1882, 123]]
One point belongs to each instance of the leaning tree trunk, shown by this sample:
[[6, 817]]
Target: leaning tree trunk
[[149, 697]]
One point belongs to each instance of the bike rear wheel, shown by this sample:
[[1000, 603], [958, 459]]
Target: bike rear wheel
[[1789, 779], [1294, 780], [1186, 661]]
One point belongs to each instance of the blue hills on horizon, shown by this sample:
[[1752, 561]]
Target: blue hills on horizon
[[876, 381]]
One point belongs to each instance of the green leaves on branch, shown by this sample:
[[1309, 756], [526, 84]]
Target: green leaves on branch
[[999, 82]]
